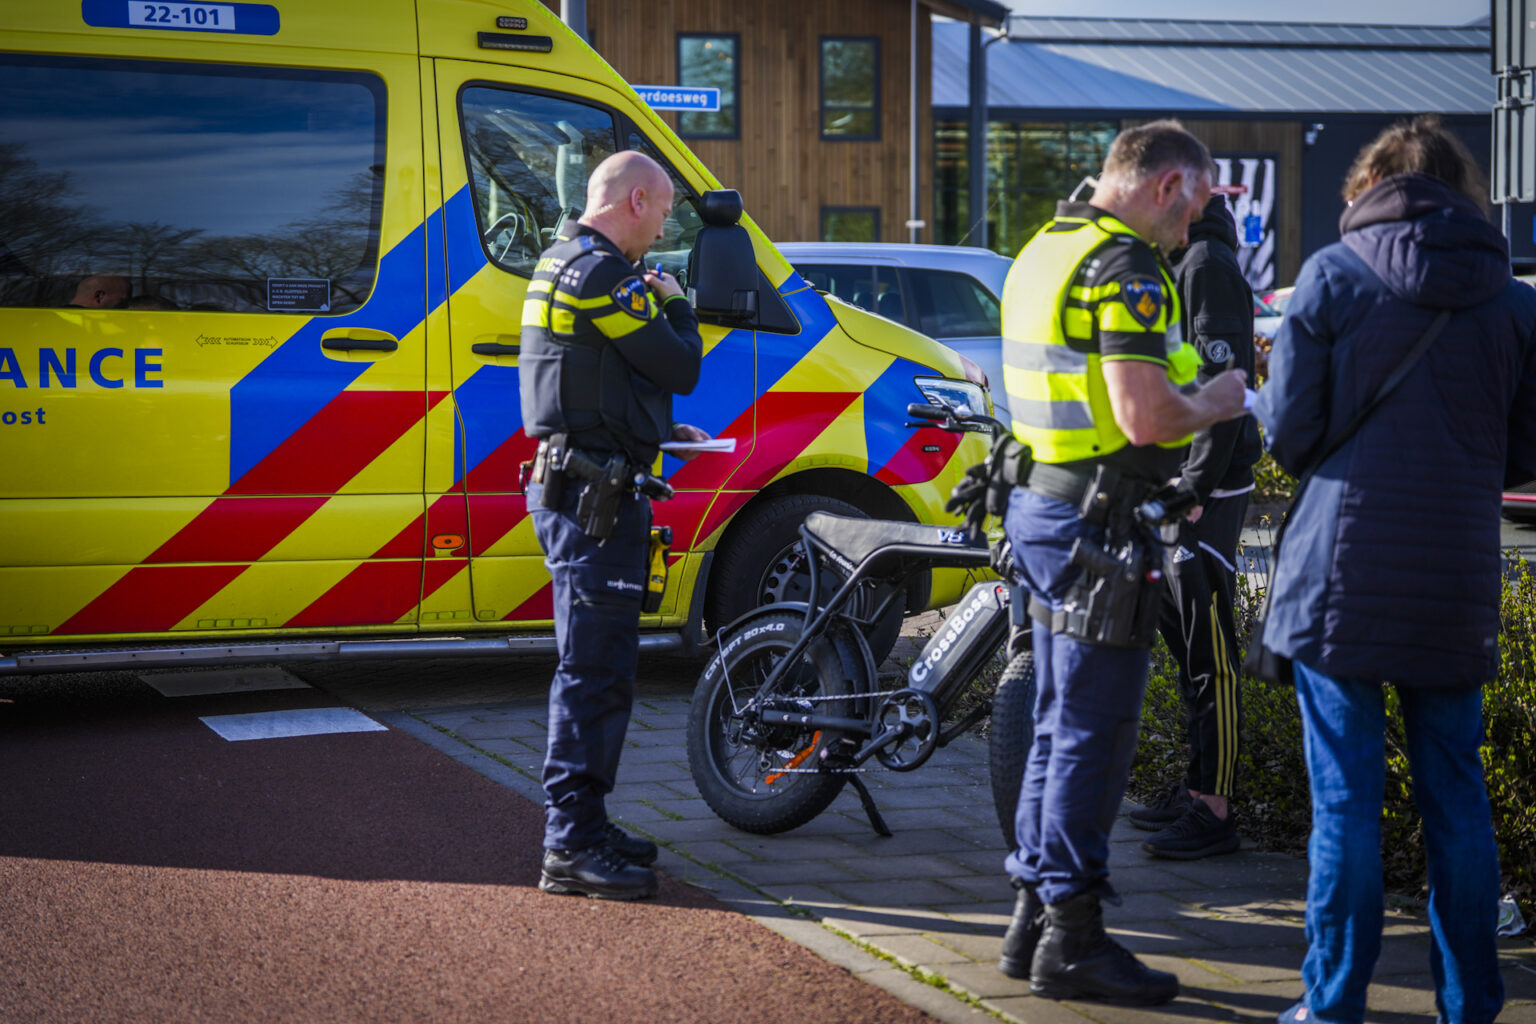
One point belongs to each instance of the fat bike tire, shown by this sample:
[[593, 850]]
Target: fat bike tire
[[739, 765], [1010, 736]]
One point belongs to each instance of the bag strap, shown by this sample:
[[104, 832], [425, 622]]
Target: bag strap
[[1393, 380]]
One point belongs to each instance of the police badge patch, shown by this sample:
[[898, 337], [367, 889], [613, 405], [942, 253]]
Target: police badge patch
[[1143, 299], [633, 297]]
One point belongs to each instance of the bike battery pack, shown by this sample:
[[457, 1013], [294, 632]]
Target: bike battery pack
[[956, 653]]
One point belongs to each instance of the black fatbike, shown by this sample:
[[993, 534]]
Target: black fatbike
[[790, 708]]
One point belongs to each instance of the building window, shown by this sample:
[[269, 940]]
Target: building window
[[1030, 167], [709, 61], [850, 224], [850, 88]]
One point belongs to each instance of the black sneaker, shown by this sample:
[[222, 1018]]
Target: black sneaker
[[1199, 833], [1163, 811], [598, 871], [632, 848]]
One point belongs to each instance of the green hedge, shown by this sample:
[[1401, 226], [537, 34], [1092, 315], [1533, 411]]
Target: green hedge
[[1273, 801]]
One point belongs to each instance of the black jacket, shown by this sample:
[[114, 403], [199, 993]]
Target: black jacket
[[600, 358], [1218, 320]]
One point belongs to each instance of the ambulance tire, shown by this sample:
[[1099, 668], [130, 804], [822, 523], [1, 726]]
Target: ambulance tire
[[1009, 737], [762, 562]]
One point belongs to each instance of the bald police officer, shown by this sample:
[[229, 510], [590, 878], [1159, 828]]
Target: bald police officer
[[1101, 389], [605, 346]]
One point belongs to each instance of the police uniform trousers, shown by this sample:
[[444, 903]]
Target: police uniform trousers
[[1197, 624], [597, 592], [1087, 712]]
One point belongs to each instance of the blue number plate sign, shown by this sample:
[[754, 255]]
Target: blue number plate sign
[[238, 19]]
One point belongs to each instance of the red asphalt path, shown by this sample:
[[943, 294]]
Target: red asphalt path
[[153, 871]]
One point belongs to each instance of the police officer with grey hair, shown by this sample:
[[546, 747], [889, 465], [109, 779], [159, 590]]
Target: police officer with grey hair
[[605, 346]]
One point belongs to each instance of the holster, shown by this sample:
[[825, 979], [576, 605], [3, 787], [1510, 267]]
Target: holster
[[603, 487], [1008, 465], [603, 483], [1117, 596], [549, 470]]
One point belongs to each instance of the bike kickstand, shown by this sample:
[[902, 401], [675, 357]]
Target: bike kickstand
[[876, 820]]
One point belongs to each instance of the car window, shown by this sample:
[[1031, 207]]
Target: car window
[[529, 157], [873, 288], [951, 305], [188, 186]]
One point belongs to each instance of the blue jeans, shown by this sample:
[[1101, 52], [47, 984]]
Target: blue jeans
[[1344, 722], [1087, 713]]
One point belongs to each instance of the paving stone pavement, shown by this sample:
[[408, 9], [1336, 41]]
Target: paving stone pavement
[[931, 903]]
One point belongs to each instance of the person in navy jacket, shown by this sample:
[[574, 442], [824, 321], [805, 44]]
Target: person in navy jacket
[[1390, 568]]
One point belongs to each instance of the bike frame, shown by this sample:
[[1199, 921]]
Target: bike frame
[[817, 621]]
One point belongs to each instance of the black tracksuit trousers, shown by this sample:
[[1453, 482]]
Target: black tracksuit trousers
[[1197, 624]]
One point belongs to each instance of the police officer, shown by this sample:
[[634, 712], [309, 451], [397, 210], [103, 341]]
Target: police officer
[[1101, 389], [605, 345]]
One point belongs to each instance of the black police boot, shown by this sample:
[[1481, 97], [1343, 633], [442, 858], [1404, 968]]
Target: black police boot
[[1077, 960], [632, 848], [1023, 932], [599, 871]]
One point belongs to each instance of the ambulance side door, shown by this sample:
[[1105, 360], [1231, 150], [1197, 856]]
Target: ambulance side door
[[515, 161]]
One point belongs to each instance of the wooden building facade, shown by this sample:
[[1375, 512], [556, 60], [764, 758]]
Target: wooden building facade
[[801, 173]]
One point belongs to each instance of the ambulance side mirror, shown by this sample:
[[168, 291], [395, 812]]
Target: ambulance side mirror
[[722, 269]]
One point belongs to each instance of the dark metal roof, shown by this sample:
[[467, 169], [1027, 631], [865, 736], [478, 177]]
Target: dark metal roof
[[984, 12], [1250, 67]]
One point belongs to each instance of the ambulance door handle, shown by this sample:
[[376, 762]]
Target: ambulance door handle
[[504, 345], [358, 339]]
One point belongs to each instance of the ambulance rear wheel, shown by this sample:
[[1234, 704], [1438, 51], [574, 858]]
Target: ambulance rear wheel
[[763, 561]]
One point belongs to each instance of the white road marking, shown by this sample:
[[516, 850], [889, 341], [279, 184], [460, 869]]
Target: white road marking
[[223, 680], [271, 725]]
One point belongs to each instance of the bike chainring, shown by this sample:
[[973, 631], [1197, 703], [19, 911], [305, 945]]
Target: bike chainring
[[916, 718]]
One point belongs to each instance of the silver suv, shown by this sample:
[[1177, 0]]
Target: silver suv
[[948, 292]]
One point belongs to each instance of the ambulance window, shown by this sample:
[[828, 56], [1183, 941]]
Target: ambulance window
[[678, 231], [529, 157], [152, 185]]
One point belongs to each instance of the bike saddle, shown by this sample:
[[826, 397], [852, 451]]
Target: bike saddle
[[857, 539]]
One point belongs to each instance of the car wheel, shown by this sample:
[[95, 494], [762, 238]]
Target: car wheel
[[763, 561]]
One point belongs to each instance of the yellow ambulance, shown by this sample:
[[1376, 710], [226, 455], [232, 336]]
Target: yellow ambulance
[[261, 273]]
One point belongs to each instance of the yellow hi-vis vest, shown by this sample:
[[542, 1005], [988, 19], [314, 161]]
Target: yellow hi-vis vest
[[1051, 361]]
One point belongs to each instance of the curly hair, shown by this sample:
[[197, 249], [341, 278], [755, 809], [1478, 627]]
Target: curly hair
[[1423, 146]]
